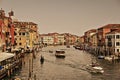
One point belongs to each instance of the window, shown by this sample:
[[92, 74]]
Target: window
[[15, 43], [110, 36], [117, 43], [117, 50], [109, 44], [20, 39], [117, 36], [113, 36], [7, 34], [20, 43], [15, 33], [19, 33], [23, 33]]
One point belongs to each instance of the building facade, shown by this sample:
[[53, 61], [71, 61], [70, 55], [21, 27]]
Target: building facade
[[113, 42]]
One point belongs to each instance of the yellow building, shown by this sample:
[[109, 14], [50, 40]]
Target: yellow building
[[27, 35], [34, 35]]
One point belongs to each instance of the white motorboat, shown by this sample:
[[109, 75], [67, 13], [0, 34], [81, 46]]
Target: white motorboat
[[60, 54], [96, 69], [108, 58]]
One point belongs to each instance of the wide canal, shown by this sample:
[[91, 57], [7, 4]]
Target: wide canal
[[72, 67]]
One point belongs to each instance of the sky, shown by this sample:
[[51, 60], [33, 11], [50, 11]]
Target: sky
[[65, 16]]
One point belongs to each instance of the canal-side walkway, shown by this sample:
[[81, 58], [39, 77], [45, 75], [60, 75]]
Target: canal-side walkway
[[27, 68]]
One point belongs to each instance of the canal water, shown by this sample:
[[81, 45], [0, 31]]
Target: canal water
[[72, 67]]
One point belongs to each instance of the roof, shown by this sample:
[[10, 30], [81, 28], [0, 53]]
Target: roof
[[82, 36], [91, 30], [22, 30], [4, 56], [24, 23], [113, 32], [110, 26]]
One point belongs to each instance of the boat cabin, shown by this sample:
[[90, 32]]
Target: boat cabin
[[60, 54]]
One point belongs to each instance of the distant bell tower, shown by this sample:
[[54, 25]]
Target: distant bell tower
[[12, 16], [2, 13], [11, 13]]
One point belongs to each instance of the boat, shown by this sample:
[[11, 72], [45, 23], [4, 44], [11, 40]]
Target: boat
[[42, 59], [109, 58], [78, 47], [101, 57], [60, 53], [68, 46], [95, 69], [50, 51]]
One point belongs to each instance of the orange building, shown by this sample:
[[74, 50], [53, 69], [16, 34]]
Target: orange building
[[88, 34], [102, 32], [7, 31], [82, 39]]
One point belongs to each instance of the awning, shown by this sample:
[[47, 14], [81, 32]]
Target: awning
[[4, 56], [15, 49]]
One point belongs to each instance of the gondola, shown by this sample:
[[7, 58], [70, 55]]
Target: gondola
[[42, 59]]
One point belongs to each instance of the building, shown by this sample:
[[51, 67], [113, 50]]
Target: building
[[61, 39], [47, 39], [82, 39], [93, 40], [102, 32], [58, 39], [26, 35], [88, 35], [113, 42], [55, 37], [7, 31]]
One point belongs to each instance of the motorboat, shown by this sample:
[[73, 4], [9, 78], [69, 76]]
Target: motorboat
[[78, 47], [101, 57], [60, 53], [68, 46], [95, 69], [109, 58], [50, 51]]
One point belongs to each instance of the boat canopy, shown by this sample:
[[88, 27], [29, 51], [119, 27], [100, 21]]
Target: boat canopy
[[5, 55]]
